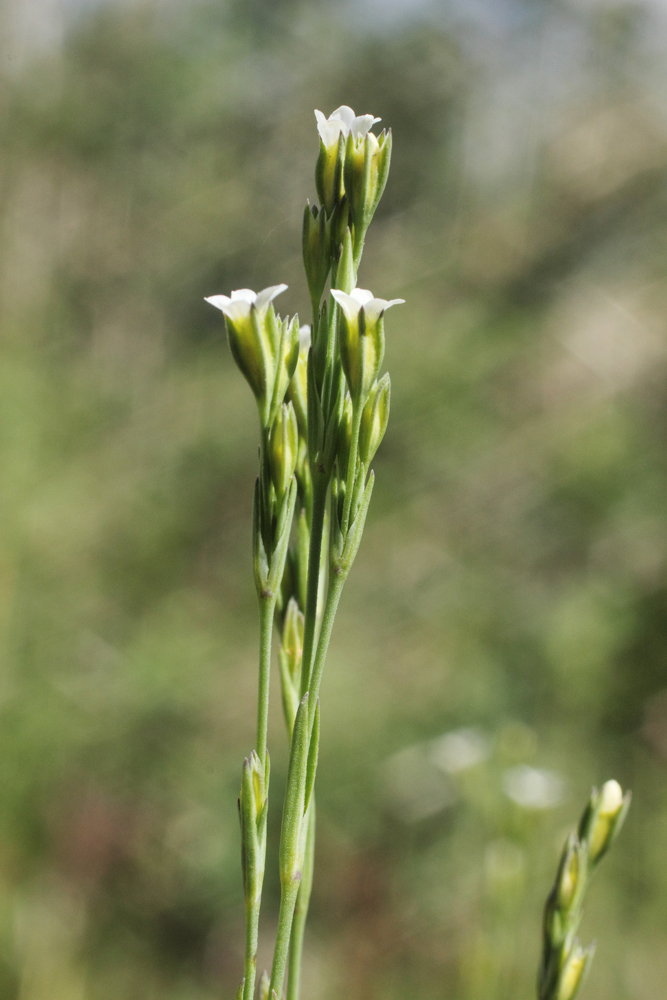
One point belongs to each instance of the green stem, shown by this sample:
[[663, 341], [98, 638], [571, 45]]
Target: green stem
[[336, 583], [251, 938], [351, 467], [314, 559], [267, 607], [287, 903], [301, 911]]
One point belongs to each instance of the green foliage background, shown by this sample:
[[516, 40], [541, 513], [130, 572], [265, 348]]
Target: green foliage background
[[513, 576]]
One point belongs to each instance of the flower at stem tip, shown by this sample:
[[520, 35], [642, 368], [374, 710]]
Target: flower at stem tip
[[334, 132]]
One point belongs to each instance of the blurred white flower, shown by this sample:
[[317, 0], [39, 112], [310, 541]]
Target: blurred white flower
[[532, 788], [304, 338], [343, 120], [458, 750], [237, 306], [361, 298]]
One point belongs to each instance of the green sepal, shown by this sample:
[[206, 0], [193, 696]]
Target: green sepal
[[374, 419], [260, 560], [283, 529], [290, 694], [286, 358], [316, 245], [315, 421], [329, 173], [345, 276], [283, 449], [344, 547]]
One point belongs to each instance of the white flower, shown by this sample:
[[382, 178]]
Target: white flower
[[343, 120], [361, 298], [237, 306]]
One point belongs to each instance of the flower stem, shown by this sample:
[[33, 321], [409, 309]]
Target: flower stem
[[301, 912], [336, 583], [320, 488], [267, 606], [251, 937], [351, 467], [287, 903]]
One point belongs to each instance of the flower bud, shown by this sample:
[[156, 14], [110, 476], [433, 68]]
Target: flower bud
[[609, 808], [292, 639], [283, 449], [316, 240], [344, 438], [573, 972], [374, 420], [568, 874], [361, 339], [264, 985], [297, 391]]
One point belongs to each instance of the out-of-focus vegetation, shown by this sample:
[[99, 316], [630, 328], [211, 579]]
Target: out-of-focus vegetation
[[510, 596]]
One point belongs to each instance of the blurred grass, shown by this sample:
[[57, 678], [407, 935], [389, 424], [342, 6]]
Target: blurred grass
[[512, 579]]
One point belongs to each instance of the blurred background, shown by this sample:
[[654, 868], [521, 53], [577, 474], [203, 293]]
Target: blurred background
[[502, 641]]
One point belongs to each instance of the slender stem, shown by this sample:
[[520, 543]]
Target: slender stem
[[336, 583], [314, 559], [267, 607], [351, 467], [251, 938], [287, 903], [301, 911]]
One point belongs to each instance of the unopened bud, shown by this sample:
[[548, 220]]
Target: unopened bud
[[344, 437], [264, 985], [283, 449], [574, 970], [297, 391], [292, 639], [608, 813], [374, 420], [316, 240]]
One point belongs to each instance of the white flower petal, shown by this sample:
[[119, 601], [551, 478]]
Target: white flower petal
[[361, 295], [361, 125], [329, 128], [219, 301], [346, 115], [263, 298], [237, 311], [244, 295], [349, 305], [377, 307]]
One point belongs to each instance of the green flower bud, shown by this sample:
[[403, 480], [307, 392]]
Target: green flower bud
[[361, 339], [603, 819], [292, 639], [574, 971], [366, 169], [569, 873], [344, 438], [283, 449], [374, 420], [297, 391], [316, 239], [286, 356], [264, 984], [253, 802]]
